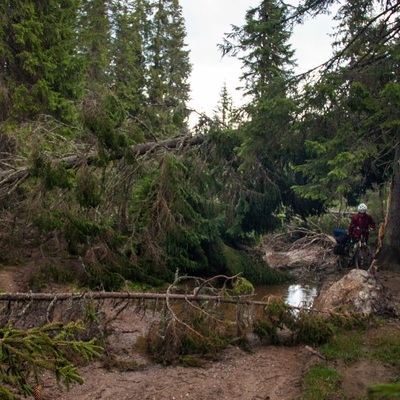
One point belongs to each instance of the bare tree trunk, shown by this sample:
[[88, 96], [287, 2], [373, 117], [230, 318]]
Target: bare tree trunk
[[389, 255]]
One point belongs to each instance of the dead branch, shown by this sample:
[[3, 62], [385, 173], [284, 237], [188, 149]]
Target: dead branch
[[308, 237], [315, 352]]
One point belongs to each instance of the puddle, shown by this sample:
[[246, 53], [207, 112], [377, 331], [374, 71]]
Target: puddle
[[297, 295]]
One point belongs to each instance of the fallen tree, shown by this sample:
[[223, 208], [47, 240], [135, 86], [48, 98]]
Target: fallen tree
[[12, 176]]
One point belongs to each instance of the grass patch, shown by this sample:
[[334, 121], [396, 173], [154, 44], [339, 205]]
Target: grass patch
[[346, 345], [384, 345], [378, 343], [322, 383]]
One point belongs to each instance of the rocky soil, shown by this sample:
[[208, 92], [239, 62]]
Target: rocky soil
[[264, 372]]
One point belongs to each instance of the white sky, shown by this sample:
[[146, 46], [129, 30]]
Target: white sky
[[206, 23]]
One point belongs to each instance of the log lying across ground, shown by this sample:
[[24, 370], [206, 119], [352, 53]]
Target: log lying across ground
[[17, 296]]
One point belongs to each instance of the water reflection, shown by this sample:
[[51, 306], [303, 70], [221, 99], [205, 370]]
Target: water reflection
[[297, 295], [300, 295]]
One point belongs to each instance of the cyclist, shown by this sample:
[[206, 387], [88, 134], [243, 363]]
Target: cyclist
[[361, 223]]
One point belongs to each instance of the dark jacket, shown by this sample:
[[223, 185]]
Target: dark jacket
[[361, 224]]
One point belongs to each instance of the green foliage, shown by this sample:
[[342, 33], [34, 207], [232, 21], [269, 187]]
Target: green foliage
[[52, 174], [25, 355], [49, 220], [43, 71], [198, 334], [242, 287], [210, 338], [88, 188], [266, 329], [253, 267], [290, 151], [348, 149], [104, 117], [312, 329], [176, 225], [322, 383], [384, 390], [78, 230], [346, 346], [169, 70]]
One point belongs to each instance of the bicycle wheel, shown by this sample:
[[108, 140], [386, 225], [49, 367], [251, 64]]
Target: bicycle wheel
[[354, 255], [357, 260], [340, 262], [365, 256]]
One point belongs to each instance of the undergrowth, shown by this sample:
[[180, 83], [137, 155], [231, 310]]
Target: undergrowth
[[379, 342], [322, 383], [305, 326]]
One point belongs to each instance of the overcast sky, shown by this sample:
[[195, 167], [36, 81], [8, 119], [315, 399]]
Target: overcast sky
[[206, 23]]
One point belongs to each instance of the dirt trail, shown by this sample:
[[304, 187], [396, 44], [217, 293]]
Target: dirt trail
[[267, 372]]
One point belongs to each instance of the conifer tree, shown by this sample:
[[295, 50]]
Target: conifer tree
[[128, 49], [169, 70], [25, 355], [40, 70], [262, 45], [224, 112], [95, 29]]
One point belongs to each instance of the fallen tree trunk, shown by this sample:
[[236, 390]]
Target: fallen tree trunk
[[11, 176], [125, 296]]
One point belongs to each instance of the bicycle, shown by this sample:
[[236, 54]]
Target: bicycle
[[351, 251], [359, 252]]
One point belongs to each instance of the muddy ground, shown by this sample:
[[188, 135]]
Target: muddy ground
[[263, 372]]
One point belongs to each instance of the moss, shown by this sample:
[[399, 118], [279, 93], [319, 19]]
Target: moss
[[252, 266], [242, 286], [322, 383]]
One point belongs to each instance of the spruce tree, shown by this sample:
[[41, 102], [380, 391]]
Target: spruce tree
[[128, 54], [262, 45], [25, 355], [169, 70], [224, 112], [40, 69], [95, 30]]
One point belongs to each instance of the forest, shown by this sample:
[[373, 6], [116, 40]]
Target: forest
[[100, 173], [103, 182]]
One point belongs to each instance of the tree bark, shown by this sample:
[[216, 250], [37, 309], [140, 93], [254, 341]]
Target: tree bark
[[51, 297], [389, 255]]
